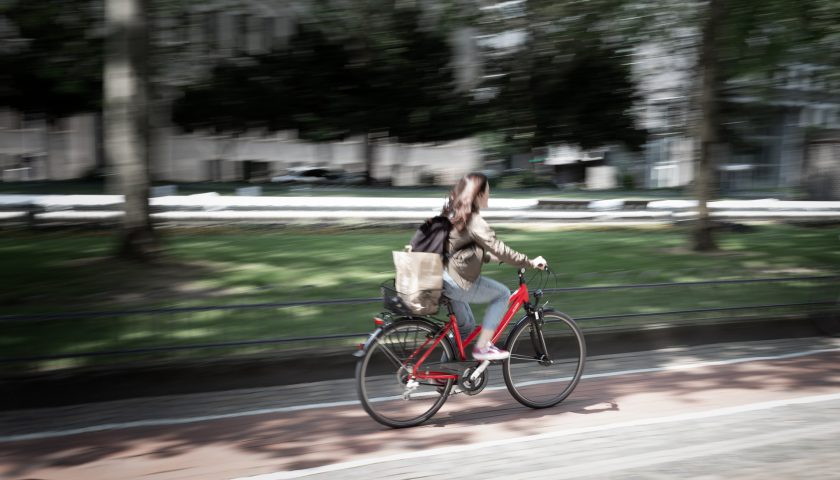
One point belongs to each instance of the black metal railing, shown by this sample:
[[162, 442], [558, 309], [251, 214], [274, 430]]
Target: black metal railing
[[26, 318]]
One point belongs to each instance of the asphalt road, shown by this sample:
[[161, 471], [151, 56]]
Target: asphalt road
[[763, 409]]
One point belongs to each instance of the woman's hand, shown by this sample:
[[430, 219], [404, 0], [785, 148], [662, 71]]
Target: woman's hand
[[539, 263]]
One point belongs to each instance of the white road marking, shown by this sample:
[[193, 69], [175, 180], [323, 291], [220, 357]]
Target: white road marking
[[266, 411], [718, 412]]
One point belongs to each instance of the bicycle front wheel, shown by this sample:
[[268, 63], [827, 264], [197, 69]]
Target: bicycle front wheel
[[546, 360], [385, 382]]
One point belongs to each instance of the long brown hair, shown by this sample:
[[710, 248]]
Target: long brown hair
[[462, 199]]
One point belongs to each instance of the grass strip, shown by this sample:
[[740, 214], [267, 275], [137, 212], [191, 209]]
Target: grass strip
[[67, 271]]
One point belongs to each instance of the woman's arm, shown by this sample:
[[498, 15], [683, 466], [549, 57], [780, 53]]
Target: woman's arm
[[485, 237]]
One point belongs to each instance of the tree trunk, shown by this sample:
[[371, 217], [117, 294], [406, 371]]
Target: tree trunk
[[126, 122], [369, 152], [702, 235]]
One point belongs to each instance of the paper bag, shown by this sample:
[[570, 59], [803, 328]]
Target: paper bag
[[419, 280]]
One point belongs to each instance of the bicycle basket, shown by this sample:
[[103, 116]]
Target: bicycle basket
[[422, 302]]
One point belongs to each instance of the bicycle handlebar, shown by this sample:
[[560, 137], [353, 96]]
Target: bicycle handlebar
[[521, 273]]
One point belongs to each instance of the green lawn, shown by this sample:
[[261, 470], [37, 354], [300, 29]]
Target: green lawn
[[70, 271]]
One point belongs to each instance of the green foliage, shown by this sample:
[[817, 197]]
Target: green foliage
[[760, 37], [387, 69], [395, 79], [52, 62], [589, 104], [569, 81]]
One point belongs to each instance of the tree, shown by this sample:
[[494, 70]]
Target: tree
[[63, 65], [394, 79], [733, 40], [585, 100], [52, 64], [748, 39], [126, 121], [562, 75], [702, 237]]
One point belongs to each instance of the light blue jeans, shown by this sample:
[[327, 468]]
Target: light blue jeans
[[484, 290]]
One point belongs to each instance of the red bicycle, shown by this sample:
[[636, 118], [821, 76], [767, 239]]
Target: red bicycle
[[410, 364]]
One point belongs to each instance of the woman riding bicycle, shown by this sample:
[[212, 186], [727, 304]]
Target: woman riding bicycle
[[471, 244]]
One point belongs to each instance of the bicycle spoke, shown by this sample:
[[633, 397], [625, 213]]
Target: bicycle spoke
[[527, 358], [534, 381], [387, 389], [390, 355]]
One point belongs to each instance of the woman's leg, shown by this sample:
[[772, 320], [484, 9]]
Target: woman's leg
[[487, 290], [459, 297]]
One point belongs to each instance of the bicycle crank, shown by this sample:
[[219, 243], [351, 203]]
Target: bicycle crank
[[472, 384]]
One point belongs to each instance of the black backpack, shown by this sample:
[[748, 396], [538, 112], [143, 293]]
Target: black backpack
[[433, 236]]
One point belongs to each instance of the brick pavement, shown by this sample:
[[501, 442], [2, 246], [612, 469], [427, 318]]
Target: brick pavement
[[803, 445], [645, 387], [234, 402]]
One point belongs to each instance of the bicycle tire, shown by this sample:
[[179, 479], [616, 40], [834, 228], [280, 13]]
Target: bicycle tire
[[382, 374], [530, 378]]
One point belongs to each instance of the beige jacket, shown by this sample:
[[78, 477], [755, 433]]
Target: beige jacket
[[475, 245]]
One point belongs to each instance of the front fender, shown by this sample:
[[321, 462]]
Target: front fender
[[520, 322]]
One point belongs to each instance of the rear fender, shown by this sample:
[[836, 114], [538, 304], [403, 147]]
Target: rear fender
[[372, 338], [376, 333]]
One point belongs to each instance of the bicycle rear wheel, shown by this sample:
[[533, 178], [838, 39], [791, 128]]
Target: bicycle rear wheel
[[546, 362], [384, 380]]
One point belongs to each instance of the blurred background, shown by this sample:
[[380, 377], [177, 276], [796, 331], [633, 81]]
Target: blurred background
[[596, 94], [202, 196], [558, 100]]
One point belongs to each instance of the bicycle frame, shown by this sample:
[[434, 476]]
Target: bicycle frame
[[517, 299]]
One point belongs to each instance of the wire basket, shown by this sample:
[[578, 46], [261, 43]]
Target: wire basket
[[422, 302]]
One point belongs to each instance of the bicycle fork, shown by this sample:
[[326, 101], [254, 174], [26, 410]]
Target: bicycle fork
[[538, 339]]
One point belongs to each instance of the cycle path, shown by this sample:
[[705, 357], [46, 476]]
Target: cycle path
[[289, 431]]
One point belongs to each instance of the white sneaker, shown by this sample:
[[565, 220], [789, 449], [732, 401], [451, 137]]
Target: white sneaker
[[489, 352]]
